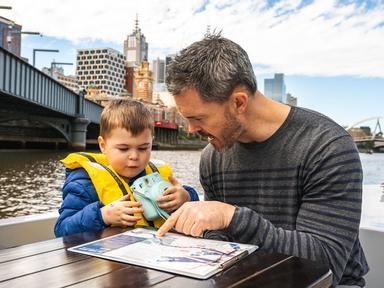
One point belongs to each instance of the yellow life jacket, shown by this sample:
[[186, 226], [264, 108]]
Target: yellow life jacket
[[108, 184]]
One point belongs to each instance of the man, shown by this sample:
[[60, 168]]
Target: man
[[285, 178]]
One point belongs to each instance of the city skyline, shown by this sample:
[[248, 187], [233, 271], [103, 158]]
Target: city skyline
[[330, 52]]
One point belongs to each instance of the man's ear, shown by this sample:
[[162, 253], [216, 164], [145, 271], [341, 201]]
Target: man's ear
[[101, 143], [239, 101]]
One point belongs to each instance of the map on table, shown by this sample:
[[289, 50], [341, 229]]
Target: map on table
[[176, 253]]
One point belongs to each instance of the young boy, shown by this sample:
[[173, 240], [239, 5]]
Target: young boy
[[96, 191]]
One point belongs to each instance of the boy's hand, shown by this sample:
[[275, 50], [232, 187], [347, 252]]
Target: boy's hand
[[121, 212], [174, 196]]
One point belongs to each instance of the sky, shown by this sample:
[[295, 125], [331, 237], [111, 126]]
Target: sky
[[331, 52]]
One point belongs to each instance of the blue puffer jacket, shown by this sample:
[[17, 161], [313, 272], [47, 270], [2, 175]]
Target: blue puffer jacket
[[80, 209]]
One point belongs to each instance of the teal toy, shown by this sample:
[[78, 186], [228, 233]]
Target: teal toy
[[146, 190]]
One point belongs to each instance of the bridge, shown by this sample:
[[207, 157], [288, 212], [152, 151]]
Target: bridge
[[365, 138], [36, 109]]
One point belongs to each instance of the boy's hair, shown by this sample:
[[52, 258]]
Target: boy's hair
[[128, 114], [214, 67]]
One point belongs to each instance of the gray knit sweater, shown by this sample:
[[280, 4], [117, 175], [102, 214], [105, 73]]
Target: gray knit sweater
[[297, 193]]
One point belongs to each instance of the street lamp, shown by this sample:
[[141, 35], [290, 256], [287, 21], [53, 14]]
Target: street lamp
[[9, 37], [41, 50], [10, 33]]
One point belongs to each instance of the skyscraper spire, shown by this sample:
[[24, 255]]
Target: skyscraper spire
[[137, 23], [208, 31], [135, 46]]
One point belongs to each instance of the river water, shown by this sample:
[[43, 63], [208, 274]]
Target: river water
[[31, 181]]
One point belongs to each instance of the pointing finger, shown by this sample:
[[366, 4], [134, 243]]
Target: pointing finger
[[169, 224]]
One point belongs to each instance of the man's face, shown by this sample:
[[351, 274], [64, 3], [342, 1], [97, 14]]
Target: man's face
[[210, 119], [128, 155]]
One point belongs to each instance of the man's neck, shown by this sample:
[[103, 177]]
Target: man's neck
[[263, 118]]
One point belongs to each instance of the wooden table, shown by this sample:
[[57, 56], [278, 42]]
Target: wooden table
[[49, 264]]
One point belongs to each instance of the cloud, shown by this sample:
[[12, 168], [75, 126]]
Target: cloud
[[317, 38]]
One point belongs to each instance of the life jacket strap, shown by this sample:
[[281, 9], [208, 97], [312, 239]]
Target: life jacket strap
[[153, 167], [114, 176]]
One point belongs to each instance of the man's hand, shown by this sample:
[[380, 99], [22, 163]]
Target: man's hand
[[174, 196], [121, 212], [193, 218]]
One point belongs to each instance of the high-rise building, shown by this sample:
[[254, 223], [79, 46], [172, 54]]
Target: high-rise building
[[135, 47], [291, 100], [158, 69], [275, 88], [10, 35], [103, 68], [129, 79], [168, 60], [143, 82]]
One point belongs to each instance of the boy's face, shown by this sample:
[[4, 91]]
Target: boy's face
[[128, 155]]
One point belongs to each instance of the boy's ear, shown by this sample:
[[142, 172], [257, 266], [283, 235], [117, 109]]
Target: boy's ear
[[101, 143]]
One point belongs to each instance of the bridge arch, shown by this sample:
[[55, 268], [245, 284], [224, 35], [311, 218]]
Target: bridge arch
[[63, 126], [377, 131], [378, 118]]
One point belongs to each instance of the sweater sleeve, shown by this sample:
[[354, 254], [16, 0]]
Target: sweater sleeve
[[80, 210], [192, 192], [328, 218]]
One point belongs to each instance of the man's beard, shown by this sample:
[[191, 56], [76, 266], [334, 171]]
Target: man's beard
[[231, 131]]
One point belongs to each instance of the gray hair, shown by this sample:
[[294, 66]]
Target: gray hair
[[214, 67]]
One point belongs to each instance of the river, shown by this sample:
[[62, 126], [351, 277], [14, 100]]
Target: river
[[31, 180]]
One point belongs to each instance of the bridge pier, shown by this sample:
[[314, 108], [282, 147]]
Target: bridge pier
[[79, 133]]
